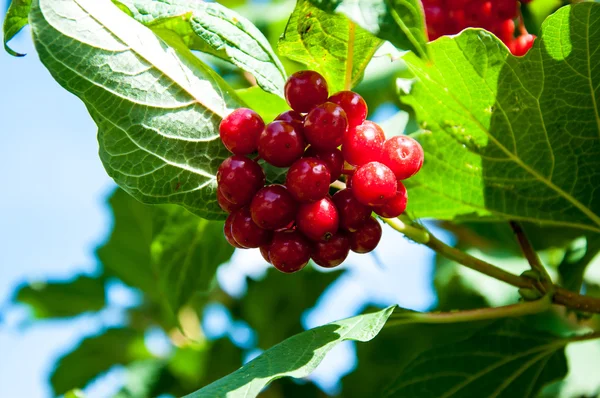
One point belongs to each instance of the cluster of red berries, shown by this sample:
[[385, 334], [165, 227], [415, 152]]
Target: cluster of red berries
[[295, 222], [448, 17]]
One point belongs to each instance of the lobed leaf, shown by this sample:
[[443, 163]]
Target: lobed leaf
[[17, 17]]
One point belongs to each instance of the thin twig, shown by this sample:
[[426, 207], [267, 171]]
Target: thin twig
[[530, 254]]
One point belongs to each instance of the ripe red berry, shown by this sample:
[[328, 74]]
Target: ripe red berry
[[319, 220], [289, 251], [227, 232], [264, 251], [373, 184], [333, 158], [351, 212], [353, 104], [396, 205], [308, 179], [522, 44], [505, 30], [367, 237], [363, 144], [280, 144], [304, 90], [292, 117], [240, 130], [333, 252], [239, 178], [504, 9], [225, 204], [273, 207], [245, 232], [325, 126], [403, 155]]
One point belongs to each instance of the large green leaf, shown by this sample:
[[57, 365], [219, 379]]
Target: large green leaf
[[63, 299], [268, 106], [331, 44], [95, 355], [401, 22], [217, 30], [511, 137], [16, 18], [156, 105], [296, 357]]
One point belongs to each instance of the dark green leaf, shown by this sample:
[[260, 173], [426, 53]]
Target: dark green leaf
[[576, 261], [96, 355], [63, 299], [267, 105], [329, 43], [214, 29], [16, 18], [295, 357], [511, 137], [157, 106]]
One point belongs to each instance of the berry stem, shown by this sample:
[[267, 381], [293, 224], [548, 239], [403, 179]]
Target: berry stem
[[529, 252]]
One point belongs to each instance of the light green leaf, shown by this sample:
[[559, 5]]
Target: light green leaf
[[508, 137], [401, 22], [267, 105], [63, 299], [296, 357], [328, 43], [17, 17], [214, 29], [156, 105]]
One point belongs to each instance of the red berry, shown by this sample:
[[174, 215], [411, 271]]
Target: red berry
[[304, 90], [373, 184], [333, 252], [506, 31], [308, 179], [367, 237], [289, 251], [353, 104], [239, 178], [522, 44], [240, 130], [319, 220], [245, 232], [504, 9], [396, 205], [225, 204], [325, 126], [227, 232], [403, 155], [292, 117], [351, 212], [363, 144], [273, 207], [333, 159], [264, 251], [280, 144]]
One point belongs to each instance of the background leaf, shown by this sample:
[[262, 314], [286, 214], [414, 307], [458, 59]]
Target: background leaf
[[328, 43], [157, 106], [15, 20], [216, 30], [267, 105], [497, 141]]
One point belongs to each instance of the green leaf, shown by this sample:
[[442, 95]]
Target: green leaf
[[400, 22], [216, 30], [296, 357], [511, 137], [577, 260], [157, 106], [95, 355], [17, 17], [328, 43], [63, 299], [267, 105], [506, 359]]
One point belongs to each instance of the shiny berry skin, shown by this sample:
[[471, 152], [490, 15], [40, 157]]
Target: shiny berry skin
[[395, 206], [353, 104], [289, 251], [308, 179], [240, 130], [373, 184], [325, 126], [227, 232], [367, 237], [522, 44], [305, 89], [351, 212], [264, 252], [333, 252], [333, 159], [273, 207], [245, 231], [239, 178], [280, 144], [363, 144], [403, 155], [292, 117], [225, 204], [318, 221]]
